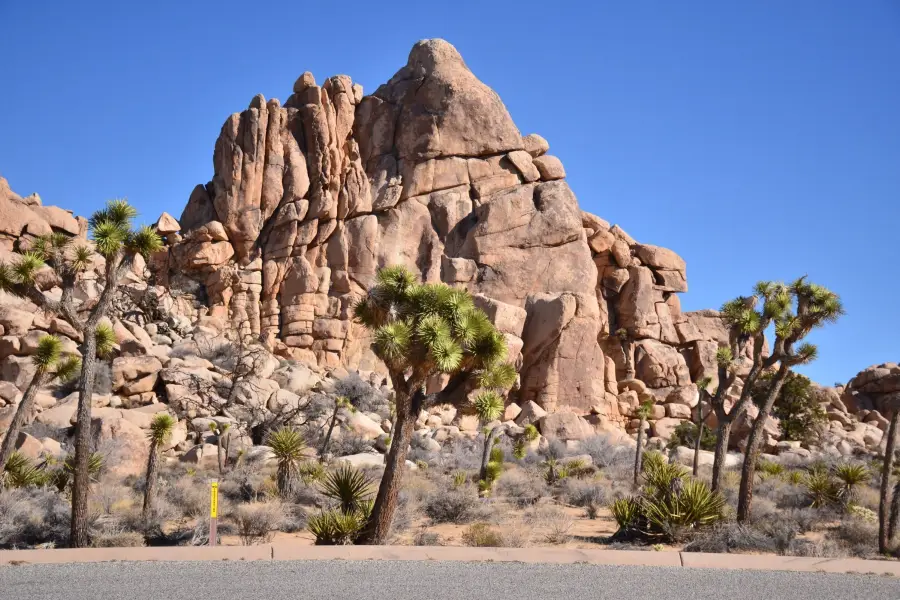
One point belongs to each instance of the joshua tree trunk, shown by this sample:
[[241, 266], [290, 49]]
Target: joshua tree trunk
[[22, 417], [639, 452], [327, 441], [748, 471], [723, 436], [895, 513], [628, 351], [884, 542], [150, 484], [696, 468], [379, 524], [486, 451], [79, 536]]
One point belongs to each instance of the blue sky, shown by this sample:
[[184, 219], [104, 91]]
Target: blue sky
[[760, 140]]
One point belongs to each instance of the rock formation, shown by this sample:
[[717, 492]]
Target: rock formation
[[309, 198]]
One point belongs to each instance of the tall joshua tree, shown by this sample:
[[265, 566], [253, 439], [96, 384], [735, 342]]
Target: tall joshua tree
[[160, 433], [642, 413], [489, 407], [885, 531], [117, 243], [795, 310], [423, 330], [49, 362], [703, 389], [287, 445]]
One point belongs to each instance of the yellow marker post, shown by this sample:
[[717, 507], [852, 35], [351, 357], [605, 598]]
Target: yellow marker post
[[213, 511]]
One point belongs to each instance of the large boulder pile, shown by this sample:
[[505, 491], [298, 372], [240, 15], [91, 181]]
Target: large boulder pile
[[310, 197]]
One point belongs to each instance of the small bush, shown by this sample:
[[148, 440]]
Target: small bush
[[821, 489], [520, 488], [349, 444], [256, 522], [33, 516], [732, 538], [555, 524], [607, 454], [859, 536], [452, 506], [686, 435], [482, 535], [189, 497], [583, 493], [424, 537], [117, 538]]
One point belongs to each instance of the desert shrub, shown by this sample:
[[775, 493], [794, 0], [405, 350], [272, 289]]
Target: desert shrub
[[686, 435], [110, 496], [460, 454], [33, 516], [860, 537], [256, 522], [797, 407], [555, 524], [606, 453], [626, 512], [817, 549], [583, 493], [362, 395], [424, 537], [452, 505], [117, 538], [555, 449], [482, 535], [732, 537], [336, 528], [767, 468], [851, 476], [783, 493], [349, 444], [521, 488], [189, 497], [406, 514], [246, 482], [20, 472], [675, 514]]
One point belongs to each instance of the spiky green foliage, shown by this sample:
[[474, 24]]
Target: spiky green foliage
[[20, 472], [851, 476], [47, 353], [349, 486], [431, 328], [770, 469], [724, 357], [287, 445], [488, 406], [335, 527], [645, 410], [161, 428], [626, 512], [81, 257], [501, 376], [459, 478], [531, 433], [660, 476], [686, 435], [106, 339], [821, 489], [145, 241], [693, 505], [69, 368]]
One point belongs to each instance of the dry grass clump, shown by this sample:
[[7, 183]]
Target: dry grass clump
[[256, 522]]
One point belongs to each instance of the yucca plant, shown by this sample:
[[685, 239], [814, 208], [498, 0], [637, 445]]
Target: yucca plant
[[49, 361], [20, 472], [851, 476], [643, 413], [821, 489], [160, 433], [691, 506], [349, 486], [336, 528], [311, 472], [488, 407], [459, 478], [118, 243], [419, 331], [61, 477], [770, 469], [626, 512], [287, 445]]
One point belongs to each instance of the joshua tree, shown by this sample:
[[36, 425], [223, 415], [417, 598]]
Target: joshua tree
[[703, 389], [794, 310], [49, 362], [117, 243], [643, 413], [884, 504], [422, 330], [223, 443], [287, 444], [489, 407], [160, 433], [339, 402]]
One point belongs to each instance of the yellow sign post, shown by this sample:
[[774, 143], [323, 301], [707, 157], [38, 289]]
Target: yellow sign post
[[213, 511]]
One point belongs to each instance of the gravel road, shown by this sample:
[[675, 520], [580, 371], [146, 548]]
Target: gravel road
[[379, 580]]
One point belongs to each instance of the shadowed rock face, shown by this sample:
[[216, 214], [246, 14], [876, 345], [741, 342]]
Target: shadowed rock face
[[308, 199]]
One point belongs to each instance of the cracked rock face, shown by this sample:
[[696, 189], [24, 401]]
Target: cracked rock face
[[309, 198]]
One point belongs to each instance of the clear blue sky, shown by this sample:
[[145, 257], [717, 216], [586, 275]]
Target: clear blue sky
[[760, 140]]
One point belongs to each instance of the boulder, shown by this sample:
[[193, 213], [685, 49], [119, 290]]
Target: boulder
[[565, 425]]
